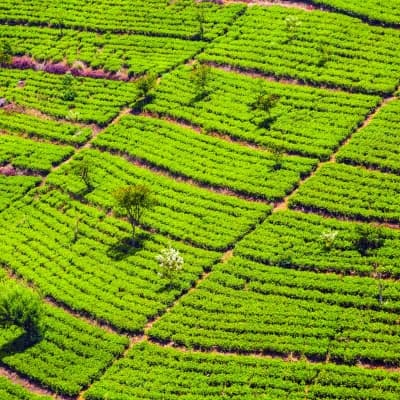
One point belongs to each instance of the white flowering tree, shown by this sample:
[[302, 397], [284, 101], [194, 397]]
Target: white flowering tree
[[171, 263], [328, 238]]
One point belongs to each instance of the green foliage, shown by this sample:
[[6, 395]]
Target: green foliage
[[200, 76], [134, 200], [368, 239], [184, 211], [277, 157], [31, 154], [204, 158], [362, 58], [98, 254], [328, 238], [141, 53], [5, 53], [97, 100], [293, 24], [83, 170], [265, 102], [12, 391], [22, 307], [299, 234], [147, 367], [32, 126], [176, 19], [146, 84], [371, 10], [376, 145], [263, 308], [344, 190], [12, 188], [68, 83], [301, 113], [170, 262], [200, 16]]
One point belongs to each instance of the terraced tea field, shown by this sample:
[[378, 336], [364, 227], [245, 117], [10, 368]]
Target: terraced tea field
[[199, 200]]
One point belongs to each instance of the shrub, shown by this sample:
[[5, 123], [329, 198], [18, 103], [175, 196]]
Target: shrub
[[5, 54], [22, 307], [170, 262], [328, 238], [134, 200], [368, 239]]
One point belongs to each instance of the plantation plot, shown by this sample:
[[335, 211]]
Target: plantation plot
[[182, 18], [71, 354], [344, 190], [306, 121], [315, 47], [28, 125], [13, 188], [151, 372], [250, 307], [296, 240], [79, 257], [138, 54], [10, 391], [31, 155], [204, 158], [63, 96], [375, 10], [378, 144], [183, 211]]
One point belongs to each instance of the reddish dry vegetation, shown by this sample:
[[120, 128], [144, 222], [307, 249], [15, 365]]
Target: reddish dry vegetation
[[78, 69], [8, 170]]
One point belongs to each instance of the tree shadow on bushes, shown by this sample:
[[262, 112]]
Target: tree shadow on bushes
[[127, 246], [17, 344]]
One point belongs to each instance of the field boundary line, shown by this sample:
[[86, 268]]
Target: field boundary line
[[269, 355], [29, 384], [283, 205], [186, 124], [148, 165], [287, 80], [310, 5]]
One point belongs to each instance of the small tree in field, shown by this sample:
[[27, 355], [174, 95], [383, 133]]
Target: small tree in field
[[69, 93], [292, 25], [5, 54], [378, 274], [264, 102], [200, 19], [135, 201], [171, 263], [83, 170], [200, 76], [145, 85], [277, 157], [21, 307], [368, 239]]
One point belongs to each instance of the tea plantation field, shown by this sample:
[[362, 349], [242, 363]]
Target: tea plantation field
[[199, 200]]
